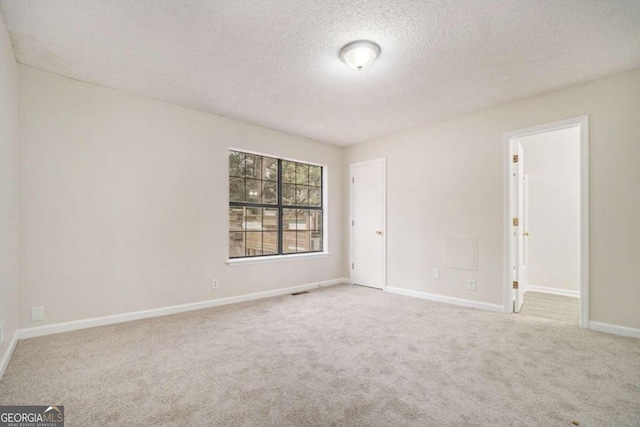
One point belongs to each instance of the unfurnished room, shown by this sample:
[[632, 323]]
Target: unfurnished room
[[319, 213]]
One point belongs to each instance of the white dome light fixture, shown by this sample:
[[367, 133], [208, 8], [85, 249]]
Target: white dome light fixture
[[360, 54]]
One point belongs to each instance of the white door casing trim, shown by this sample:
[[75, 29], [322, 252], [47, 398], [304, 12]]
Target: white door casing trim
[[583, 123], [382, 160]]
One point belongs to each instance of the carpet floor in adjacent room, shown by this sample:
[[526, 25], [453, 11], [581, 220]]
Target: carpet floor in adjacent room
[[338, 356]]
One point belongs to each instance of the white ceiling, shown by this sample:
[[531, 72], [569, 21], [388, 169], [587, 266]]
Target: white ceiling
[[275, 62]]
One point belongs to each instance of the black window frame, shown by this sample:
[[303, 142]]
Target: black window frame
[[280, 206]]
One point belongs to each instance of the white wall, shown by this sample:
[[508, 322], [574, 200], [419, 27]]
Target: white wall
[[123, 199], [124, 202], [8, 188], [552, 166], [447, 179]]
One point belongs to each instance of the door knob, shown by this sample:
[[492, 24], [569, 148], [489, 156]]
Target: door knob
[[378, 232], [526, 233]]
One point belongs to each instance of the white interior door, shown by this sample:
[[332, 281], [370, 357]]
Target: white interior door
[[368, 223], [518, 229]]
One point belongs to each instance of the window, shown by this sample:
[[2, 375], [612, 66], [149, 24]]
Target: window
[[275, 206]]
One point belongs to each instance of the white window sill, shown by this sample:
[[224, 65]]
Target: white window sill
[[276, 258]]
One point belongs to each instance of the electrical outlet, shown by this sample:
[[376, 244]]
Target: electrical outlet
[[37, 314], [471, 284], [436, 273], [214, 284]]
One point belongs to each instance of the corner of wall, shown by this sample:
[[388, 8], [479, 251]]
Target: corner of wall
[[8, 197]]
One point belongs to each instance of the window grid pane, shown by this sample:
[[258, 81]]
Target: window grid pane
[[253, 166], [236, 244], [236, 164]]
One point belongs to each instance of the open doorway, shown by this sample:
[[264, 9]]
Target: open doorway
[[547, 230]]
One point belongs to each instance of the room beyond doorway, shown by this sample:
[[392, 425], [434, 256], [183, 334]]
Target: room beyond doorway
[[550, 306], [547, 230]]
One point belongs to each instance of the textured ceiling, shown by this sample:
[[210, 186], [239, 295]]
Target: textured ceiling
[[275, 62]]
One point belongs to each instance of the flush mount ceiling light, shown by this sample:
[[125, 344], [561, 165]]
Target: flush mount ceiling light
[[360, 54]]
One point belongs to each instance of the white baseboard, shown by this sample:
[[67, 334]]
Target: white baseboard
[[554, 291], [56, 328], [614, 329], [498, 308], [6, 357]]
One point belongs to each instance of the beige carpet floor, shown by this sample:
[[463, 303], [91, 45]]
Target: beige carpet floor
[[340, 356]]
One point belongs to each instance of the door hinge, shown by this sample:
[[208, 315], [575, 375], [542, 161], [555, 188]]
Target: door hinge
[[515, 158], [515, 285], [353, 223], [353, 266], [515, 222], [353, 180]]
